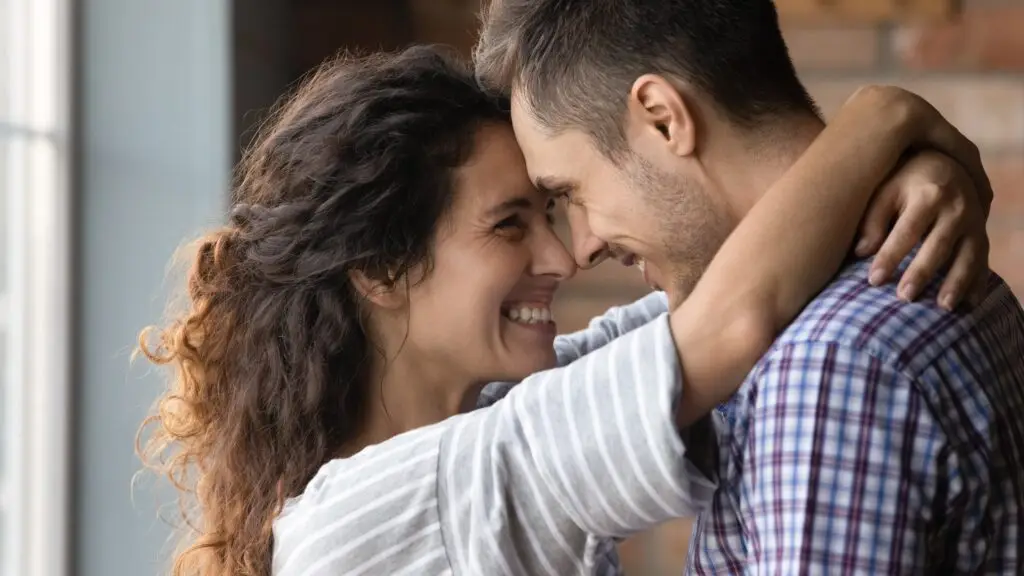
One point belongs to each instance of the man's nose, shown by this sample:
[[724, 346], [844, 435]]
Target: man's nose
[[588, 249]]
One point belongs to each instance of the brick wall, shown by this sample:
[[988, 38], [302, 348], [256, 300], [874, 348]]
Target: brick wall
[[971, 69]]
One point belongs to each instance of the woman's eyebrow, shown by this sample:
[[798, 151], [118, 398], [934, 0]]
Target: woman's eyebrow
[[509, 205]]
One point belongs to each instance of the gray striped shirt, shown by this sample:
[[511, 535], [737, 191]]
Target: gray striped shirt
[[541, 481]]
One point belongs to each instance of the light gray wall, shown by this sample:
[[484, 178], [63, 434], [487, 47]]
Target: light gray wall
[[155, 124]]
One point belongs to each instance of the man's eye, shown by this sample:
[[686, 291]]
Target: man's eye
[[550, 212]]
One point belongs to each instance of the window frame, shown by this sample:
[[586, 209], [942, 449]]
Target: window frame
[[35, 131]]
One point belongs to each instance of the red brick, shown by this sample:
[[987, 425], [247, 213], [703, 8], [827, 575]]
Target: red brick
[[984, 37], [832, 47], [988, 109], [863, 10], [1006, 172], [1007, 255]]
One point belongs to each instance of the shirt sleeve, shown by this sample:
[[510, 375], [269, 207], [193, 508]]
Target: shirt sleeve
[[574, 454], [603, 329], [844, 463]]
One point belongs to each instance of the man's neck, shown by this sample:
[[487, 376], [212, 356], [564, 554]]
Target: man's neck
[[745, 169]]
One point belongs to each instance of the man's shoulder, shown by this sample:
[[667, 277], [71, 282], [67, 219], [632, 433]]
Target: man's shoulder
[[852, 314]]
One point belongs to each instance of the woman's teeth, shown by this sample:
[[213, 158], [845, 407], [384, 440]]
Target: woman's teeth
[[529, 315]]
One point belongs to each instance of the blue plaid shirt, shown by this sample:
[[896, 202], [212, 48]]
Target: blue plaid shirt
[[875, 437]]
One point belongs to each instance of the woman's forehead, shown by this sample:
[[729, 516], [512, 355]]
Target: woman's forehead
[[494, 174]]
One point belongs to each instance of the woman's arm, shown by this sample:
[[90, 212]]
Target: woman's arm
[[726, 324], [591, 449]]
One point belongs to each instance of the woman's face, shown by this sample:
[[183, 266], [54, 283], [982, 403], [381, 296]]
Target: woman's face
[[484, 310]]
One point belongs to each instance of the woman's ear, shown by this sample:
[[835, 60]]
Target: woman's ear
[[387, 294]]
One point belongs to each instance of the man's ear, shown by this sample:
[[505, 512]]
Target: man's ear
[[658, 110], [388, 294]]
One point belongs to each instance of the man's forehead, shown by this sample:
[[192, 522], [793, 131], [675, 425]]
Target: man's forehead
[[523, 122], [553, 161]]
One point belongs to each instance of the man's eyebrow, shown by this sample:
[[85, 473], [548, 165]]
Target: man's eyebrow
[[519, 202], [551, 185]]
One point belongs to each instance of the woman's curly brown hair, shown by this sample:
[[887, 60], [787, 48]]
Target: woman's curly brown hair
[[352, 172]]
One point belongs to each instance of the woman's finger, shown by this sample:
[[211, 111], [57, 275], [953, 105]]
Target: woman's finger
[[946, 138], [935, 251], [876, 223], [968, 272], [909, 229]]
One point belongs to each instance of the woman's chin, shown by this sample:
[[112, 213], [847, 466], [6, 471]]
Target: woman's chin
[[525, 362]]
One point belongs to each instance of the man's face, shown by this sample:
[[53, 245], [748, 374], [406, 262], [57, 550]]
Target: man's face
[[641, 210]]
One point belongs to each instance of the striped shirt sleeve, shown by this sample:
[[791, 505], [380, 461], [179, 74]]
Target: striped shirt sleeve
[[572, 456]]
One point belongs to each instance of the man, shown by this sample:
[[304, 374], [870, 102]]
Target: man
[[878, 435]]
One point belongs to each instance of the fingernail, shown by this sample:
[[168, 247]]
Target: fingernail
[[946, 301], [907, 291], [862, 247], [877, 277]]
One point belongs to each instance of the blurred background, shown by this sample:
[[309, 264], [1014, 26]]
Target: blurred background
[[119, 124]]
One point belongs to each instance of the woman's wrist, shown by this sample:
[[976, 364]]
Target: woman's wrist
[[895, 119]]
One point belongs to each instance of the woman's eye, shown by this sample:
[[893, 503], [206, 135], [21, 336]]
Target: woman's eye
[[510, 222], [513, 226]]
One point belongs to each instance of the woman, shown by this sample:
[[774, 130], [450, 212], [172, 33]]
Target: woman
[[387, 257]]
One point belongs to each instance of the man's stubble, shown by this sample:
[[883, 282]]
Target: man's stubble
[[691, 225]]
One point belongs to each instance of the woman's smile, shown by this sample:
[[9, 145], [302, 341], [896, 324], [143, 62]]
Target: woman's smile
[[533, 317]]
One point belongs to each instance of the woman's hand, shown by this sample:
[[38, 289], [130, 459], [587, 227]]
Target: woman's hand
[[933, 203], [917, 124]]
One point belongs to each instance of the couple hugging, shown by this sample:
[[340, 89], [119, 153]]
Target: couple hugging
[[342, 399]]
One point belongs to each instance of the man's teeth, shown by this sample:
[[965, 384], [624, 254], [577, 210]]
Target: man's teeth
[[528, 315], [640, 264]]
